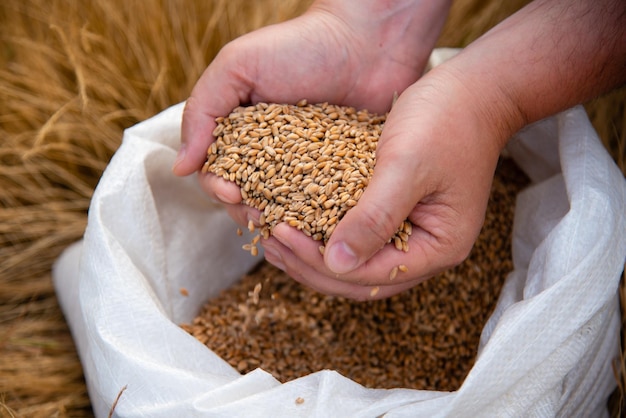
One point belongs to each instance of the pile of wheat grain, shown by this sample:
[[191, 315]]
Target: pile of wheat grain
[[425, 338]]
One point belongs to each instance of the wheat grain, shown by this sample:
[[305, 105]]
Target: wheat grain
[[305, 165]]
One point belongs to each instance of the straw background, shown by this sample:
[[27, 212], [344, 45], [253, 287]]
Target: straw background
[[73, 75]]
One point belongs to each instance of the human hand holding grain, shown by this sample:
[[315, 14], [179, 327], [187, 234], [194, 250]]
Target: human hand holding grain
[[441, 142], [437, 155], [437, 172], [355, 53]]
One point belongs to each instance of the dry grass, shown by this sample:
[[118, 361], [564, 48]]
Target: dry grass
[[73, 75]]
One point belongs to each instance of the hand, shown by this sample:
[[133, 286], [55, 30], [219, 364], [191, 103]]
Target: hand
[[441, 142], [442, 139], [354, 54], [435, 162]]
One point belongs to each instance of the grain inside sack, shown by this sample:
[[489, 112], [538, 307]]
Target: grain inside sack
[[424, 338]]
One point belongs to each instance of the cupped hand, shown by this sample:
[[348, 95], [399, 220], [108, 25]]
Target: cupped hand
[[435, 162], [354, 53], [326, 55], [357, 54], [439, 148], [440, 145]]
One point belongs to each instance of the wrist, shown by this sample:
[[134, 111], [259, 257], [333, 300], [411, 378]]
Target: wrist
[[474, 103]]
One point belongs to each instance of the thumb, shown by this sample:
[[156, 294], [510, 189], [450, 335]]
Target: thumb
[[392, 193], [196, 135], [217, 92]]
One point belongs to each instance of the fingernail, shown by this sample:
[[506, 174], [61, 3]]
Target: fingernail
[[340, 258]]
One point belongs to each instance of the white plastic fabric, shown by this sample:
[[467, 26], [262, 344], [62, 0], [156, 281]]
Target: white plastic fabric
[[546, 351]]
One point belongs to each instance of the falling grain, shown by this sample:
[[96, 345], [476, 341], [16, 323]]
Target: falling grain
[[424, 338]]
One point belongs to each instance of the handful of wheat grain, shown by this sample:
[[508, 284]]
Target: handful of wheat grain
[[303, 164]]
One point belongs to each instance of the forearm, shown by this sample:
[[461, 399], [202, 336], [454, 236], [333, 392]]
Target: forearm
[[551, 55]]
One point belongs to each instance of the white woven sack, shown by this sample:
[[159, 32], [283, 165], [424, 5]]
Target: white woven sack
[[546, 351]]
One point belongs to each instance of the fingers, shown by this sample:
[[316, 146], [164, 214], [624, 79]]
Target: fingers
[[228, 194], [309, 252], [302, 271], [378, 271], [219, 188]]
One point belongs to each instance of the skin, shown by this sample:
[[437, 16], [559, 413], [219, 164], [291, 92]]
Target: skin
[[442, 139]]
